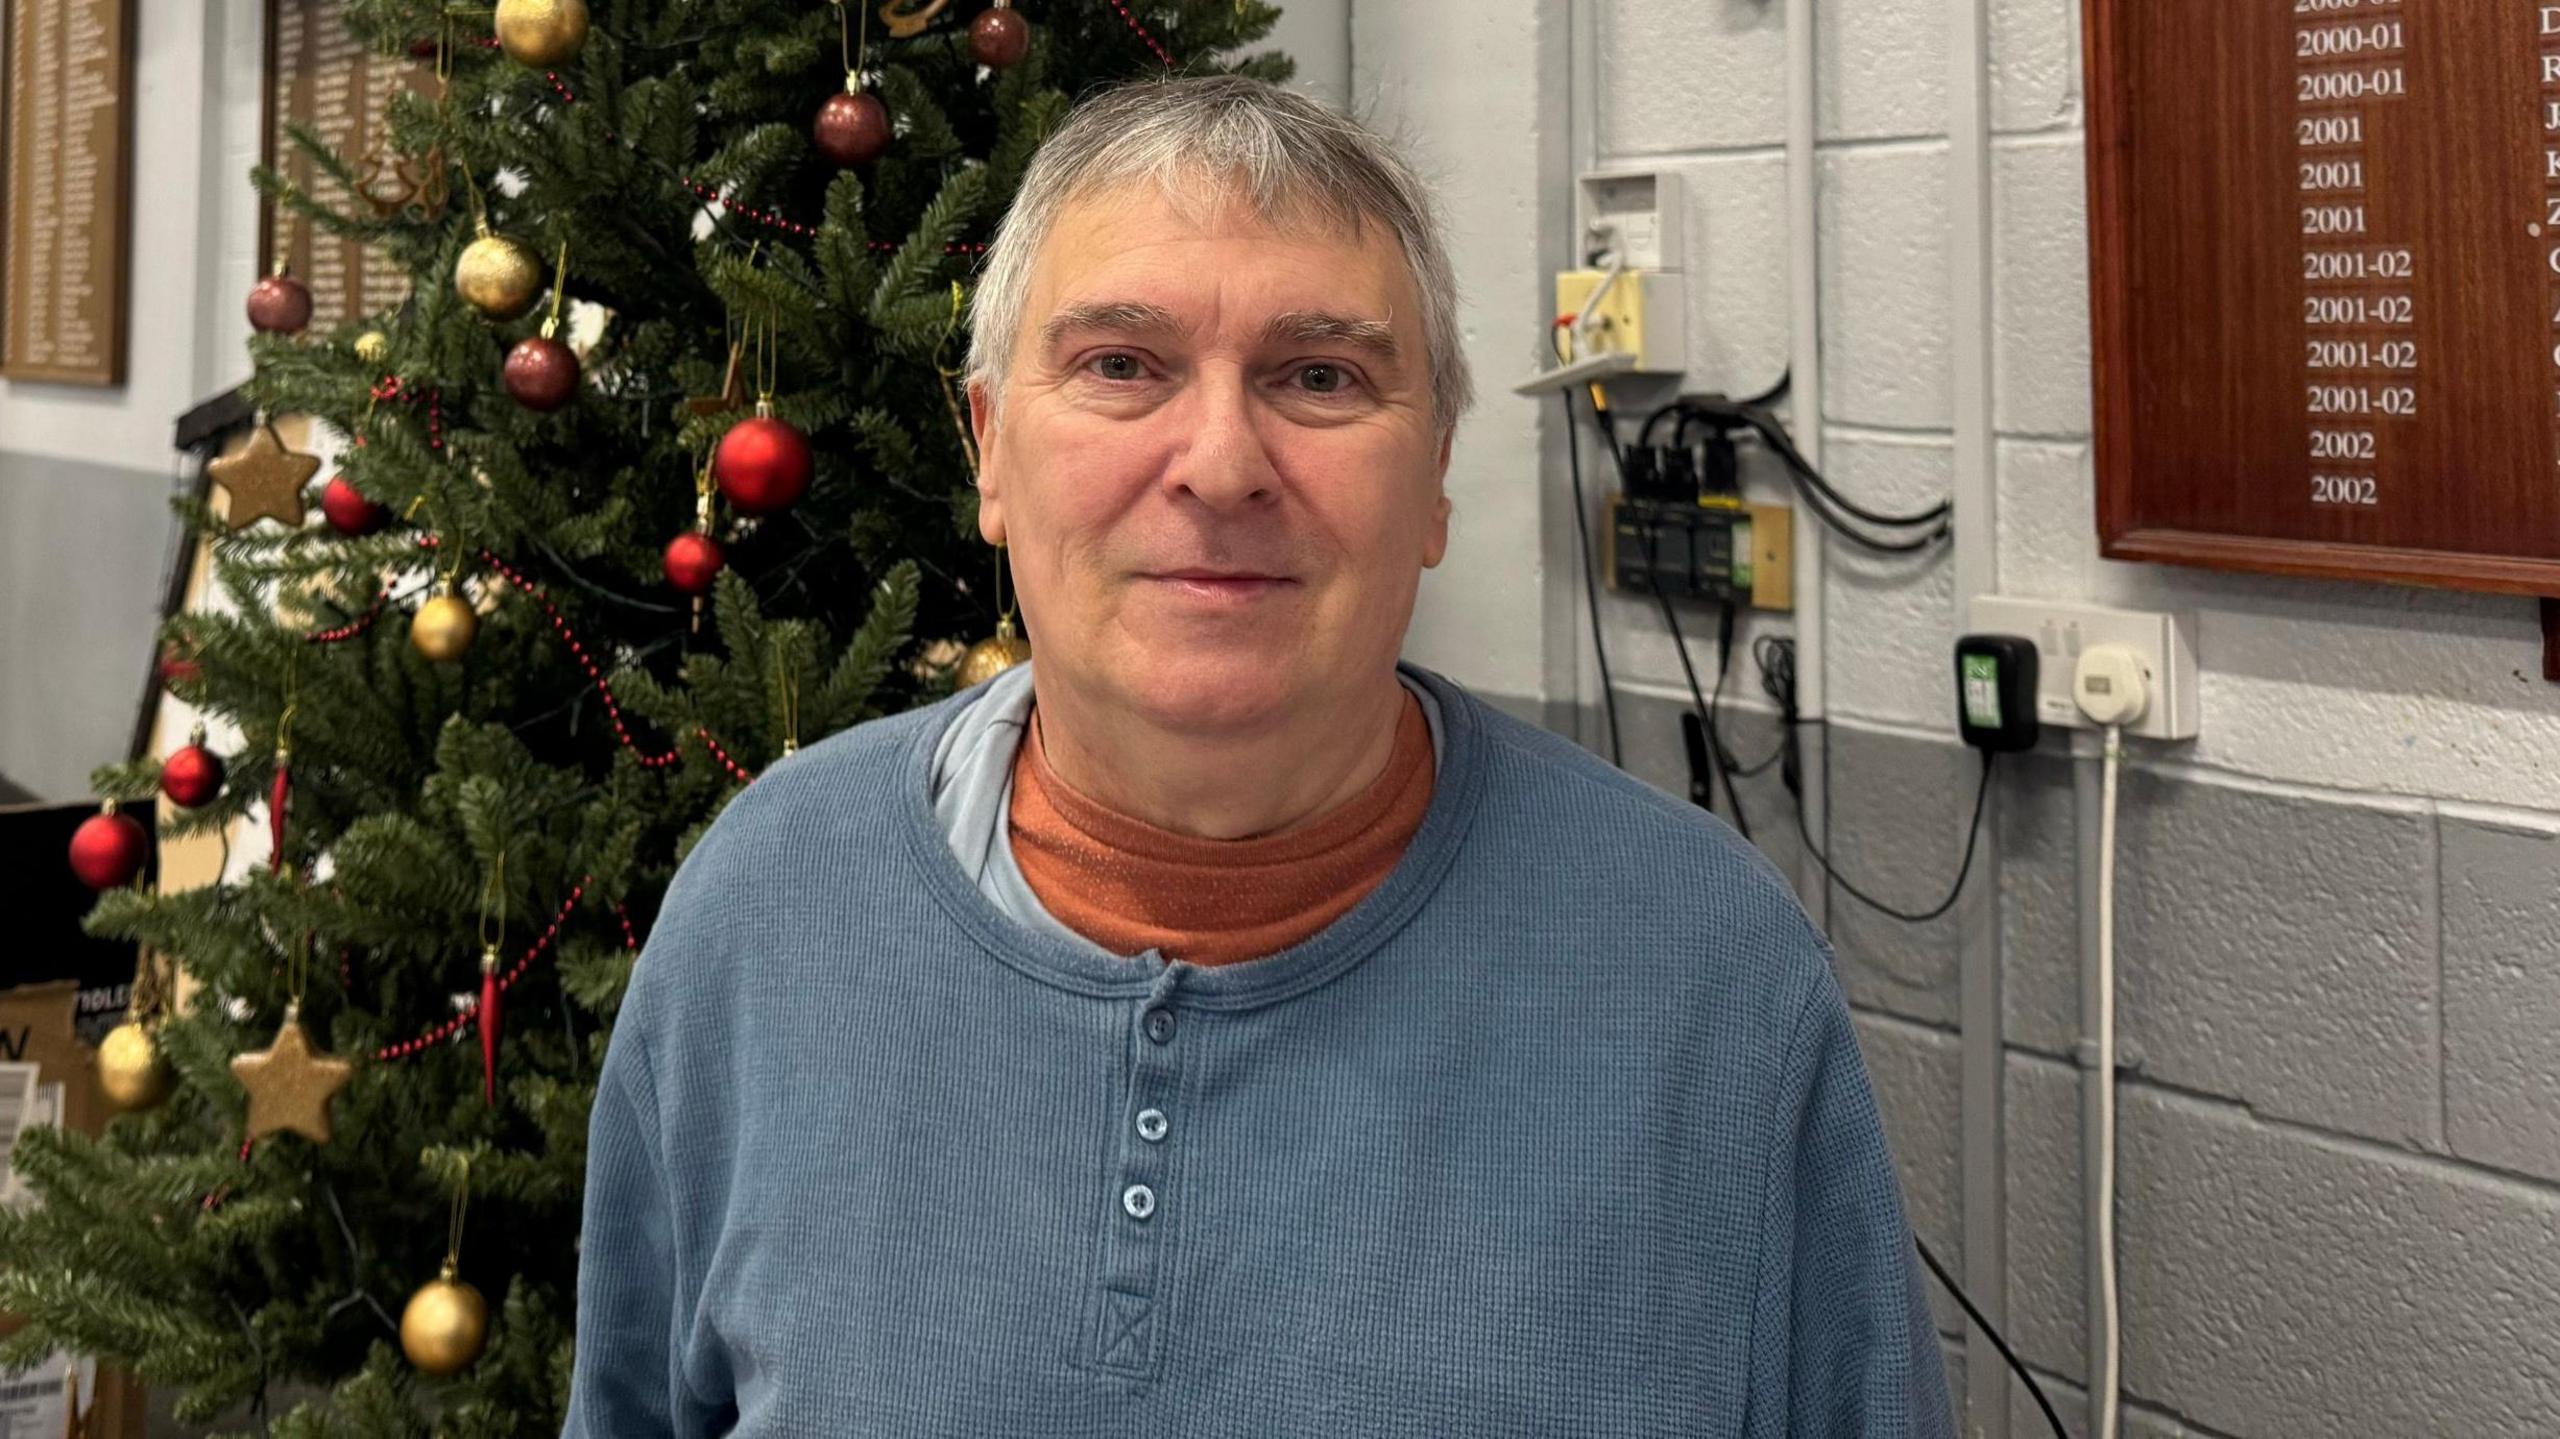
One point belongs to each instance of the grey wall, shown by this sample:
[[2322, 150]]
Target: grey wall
[[2338, 998]]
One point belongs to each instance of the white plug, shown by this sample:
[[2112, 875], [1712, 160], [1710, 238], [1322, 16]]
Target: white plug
[[2111, 685]]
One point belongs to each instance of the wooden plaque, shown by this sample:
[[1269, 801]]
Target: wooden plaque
[[321, 77], [66, 176], [2325, 285]]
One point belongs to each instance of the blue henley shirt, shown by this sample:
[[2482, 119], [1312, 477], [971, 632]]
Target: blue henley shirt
[[1562, 1129]]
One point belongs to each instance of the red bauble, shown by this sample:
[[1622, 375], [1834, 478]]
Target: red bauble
[[999, 37], [279, 304], [349, 512], [107, 850], [178, 666], [851, 129], [693, 562], [541, 373], [191, 775], [762, 465]]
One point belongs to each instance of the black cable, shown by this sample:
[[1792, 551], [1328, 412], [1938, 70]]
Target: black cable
[[1994, 1335], [1715, 695], [1590, 588], [1777, 676], [1974, 833], [1717, 768], [1785, 446]]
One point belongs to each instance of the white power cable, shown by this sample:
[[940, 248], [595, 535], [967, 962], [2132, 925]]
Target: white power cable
[[2107, 1386]]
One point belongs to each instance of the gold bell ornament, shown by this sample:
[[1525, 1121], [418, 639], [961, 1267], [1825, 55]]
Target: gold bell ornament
[[373, 347], [498, 276], [995, 654], [445, 625], [542, 33], [1000, 651], [132, 1072], [446, 1323]]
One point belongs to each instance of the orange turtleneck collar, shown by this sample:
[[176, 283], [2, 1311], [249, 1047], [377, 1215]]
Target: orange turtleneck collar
[[1129, 886]]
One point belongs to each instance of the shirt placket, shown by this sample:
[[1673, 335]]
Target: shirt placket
[[1141, 1202]]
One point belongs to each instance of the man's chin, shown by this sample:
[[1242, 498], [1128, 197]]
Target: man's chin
[[1202, 694]]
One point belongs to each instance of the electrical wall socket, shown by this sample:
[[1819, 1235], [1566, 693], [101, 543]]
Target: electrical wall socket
[[1645, 314], [2061, 631]]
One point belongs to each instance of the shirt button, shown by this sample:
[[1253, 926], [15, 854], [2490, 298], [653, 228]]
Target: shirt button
[[1151, 1124], [1139, 1200], [1160, 1025]]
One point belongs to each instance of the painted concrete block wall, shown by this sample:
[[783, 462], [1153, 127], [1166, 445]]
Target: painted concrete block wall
[[2339, 991]]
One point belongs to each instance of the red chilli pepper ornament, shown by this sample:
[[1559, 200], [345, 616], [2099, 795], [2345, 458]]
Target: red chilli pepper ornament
[[489, 1024], [276, 796]]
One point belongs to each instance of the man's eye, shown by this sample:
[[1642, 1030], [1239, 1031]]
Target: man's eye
[[1324, 379], [1133, 371]]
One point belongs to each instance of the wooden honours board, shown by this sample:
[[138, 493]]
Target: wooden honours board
[[2325, 280], [65, 174], [321, 77]]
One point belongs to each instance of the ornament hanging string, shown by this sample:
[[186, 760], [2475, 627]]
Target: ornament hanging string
[[946, 374], [789, 674], [461, 1205], [855, 61], [280, 789], [559, 278]]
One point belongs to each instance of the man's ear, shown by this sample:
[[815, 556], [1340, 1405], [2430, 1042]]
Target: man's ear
[[1435, 545], [982, 429]]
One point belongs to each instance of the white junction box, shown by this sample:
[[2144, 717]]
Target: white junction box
[[2061, 630]]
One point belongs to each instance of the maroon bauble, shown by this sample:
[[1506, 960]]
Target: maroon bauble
[[851, 129], [762, 465], [542, 374], [693, 562], [999, 37], [177, 666], [191, 776], [279, 305], [107, 849], [349, 512]]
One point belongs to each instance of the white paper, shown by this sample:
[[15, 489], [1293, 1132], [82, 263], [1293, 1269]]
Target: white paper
[[31, 1404]]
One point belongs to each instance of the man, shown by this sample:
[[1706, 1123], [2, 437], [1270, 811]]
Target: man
[[1215, 1026]]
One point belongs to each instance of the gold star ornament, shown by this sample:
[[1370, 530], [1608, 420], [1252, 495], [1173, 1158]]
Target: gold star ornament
[[264, 479], [290, 1083]]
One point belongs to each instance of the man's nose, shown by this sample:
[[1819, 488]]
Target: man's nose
[[1221, 459]]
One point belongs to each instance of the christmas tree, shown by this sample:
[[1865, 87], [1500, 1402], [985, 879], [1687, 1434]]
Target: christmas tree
[[556, 612]]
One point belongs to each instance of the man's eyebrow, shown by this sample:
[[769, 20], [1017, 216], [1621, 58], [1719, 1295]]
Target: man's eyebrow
[[1317, 327], [1303, 327], [1125, 315]]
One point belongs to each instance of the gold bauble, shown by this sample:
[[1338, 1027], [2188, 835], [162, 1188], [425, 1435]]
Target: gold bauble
[[373, 347], [541, 33], [444, 1326], [444, 626], [500, 277], [130, 1069], [994, 655]]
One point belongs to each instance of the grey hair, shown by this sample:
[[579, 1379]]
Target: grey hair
[[1289, 157]]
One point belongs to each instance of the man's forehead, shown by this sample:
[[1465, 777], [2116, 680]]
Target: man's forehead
[[1090, 277]]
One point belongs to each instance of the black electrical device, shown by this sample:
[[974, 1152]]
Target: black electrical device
[[1996, 692], [1682, 549]]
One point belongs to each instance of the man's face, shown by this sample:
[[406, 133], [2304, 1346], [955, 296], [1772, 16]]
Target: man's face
[[1184, 400]]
